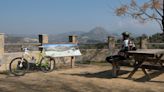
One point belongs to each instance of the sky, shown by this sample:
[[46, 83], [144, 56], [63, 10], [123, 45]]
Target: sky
[[59, 16]]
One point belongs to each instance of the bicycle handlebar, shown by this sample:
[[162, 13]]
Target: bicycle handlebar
[[24, 48], [40, 46]]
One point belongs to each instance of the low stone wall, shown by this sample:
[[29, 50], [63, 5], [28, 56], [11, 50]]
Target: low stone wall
[[88, 55], [9, 56], [94, 55]]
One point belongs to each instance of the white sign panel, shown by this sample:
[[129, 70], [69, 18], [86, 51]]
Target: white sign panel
[[61, 50]]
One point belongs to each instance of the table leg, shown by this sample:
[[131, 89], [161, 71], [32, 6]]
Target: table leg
[[147, 75], [158, 59], [135, 69]]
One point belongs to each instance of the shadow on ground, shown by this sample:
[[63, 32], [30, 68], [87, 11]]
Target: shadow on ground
[[153, 74], [46, 86], [102, 74]]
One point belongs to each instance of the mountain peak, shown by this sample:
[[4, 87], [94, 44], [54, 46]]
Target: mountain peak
[[97, 34], [98, 30]]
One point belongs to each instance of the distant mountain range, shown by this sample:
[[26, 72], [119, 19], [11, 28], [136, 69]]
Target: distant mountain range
[[95, 35], [63, 37], [19, 38]]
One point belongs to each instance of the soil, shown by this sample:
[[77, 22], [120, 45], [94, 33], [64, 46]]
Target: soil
[[82, 78]]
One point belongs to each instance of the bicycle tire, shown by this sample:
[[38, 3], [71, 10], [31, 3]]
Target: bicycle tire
[[18, 71], [47, 64]]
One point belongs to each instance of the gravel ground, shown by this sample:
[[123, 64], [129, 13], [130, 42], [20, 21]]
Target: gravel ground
[[83, 78]]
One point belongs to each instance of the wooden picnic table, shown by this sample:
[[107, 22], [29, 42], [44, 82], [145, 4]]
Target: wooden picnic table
[[147, 55]]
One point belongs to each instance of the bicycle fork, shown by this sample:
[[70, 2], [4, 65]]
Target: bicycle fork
[[20, 64]]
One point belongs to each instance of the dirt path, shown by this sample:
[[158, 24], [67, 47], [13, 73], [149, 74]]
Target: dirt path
[[89, 78]]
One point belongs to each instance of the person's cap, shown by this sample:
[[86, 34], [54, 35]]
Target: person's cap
[[125, 33]]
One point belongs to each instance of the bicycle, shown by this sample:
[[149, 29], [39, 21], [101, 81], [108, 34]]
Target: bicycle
[[20, 65]]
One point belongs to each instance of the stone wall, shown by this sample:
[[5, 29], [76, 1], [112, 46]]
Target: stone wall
[[1, 47], [94, 55], [88, 55], [9, 56]]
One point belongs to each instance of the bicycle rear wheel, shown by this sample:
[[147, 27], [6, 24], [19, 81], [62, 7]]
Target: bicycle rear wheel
[[47, 64], [18, 66]]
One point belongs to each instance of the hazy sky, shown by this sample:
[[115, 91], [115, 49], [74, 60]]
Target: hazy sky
[[57, 16]]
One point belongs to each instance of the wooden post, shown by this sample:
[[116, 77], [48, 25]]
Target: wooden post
[[111, 44], [43, 38], [73, 39], [143, 42], [2, 43]]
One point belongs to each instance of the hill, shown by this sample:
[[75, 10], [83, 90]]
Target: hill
[[97, 34]]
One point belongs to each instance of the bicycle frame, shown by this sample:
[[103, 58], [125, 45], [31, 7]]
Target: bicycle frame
[[27, 55]]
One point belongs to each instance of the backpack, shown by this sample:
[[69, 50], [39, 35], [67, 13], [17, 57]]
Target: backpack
[[131, 45]]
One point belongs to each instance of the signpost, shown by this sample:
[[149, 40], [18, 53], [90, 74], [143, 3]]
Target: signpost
[[61, 50]]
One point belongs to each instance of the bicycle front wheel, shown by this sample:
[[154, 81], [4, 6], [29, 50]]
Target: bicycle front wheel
[[18, 66], [47, 64]]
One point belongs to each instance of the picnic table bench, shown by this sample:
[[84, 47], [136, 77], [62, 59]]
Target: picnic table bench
[[147, 59]]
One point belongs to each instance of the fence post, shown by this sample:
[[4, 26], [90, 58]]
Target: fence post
[[143, 42], [73, 39], [43, 38], [2, 43], [111, 42]]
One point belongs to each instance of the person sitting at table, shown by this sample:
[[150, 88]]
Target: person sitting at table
[[122, 54]]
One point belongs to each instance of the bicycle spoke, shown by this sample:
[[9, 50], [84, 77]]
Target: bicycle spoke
[[18, 66], [47, 64]]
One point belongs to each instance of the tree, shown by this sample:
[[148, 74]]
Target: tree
[[156, 38], [150, 10]]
